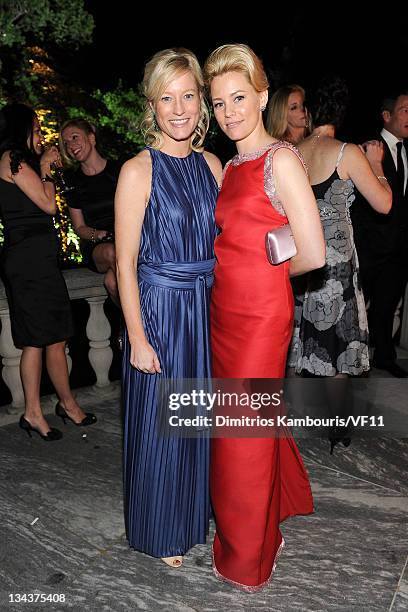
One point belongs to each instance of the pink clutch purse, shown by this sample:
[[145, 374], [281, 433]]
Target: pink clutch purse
[[280, 245]]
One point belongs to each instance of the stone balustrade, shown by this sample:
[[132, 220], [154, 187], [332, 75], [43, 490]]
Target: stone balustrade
[[82, 284]]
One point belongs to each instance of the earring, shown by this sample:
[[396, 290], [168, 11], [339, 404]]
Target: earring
[[155, 126], [263, 108]]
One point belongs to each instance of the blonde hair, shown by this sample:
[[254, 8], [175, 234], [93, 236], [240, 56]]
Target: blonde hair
[[82, 124], [277, 117], [236, 58], [159, 71]]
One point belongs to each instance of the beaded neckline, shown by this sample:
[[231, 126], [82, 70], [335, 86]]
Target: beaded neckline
[[243, 157]]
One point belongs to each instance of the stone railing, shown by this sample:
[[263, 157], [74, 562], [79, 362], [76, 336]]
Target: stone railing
[[82, 284]]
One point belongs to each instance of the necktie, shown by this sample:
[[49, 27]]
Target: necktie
[[400, 168]]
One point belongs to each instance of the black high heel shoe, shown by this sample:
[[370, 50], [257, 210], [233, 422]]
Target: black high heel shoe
[[89, 419], [337, 435], [53, 434]]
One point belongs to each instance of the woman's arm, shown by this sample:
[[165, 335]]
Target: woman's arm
[[132, 195], [299, 203], [83, 230], [39, 192], [364, 171]]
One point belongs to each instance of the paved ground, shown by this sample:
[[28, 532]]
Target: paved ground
[[62, 532]]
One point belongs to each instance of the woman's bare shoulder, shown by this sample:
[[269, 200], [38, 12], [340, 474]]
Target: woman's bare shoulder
[[23, 170], [139, 166], [214, 164], [211, 158], [5, 172], [352, 149], [287, 156]]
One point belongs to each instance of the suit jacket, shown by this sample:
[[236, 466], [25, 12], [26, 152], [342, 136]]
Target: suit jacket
[[381, 237]]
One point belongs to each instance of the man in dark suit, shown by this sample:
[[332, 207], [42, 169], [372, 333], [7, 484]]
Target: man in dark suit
[[382, 240]]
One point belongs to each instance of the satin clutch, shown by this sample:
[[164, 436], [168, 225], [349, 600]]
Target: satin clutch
[[280, 245]]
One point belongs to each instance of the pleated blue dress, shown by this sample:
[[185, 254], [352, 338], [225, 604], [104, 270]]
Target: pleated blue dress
[[166, 478]]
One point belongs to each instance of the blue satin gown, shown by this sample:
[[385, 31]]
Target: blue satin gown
[[166, 478]]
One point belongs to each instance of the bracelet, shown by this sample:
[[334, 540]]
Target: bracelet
[[92, 235], [47, 179], [382, 177]]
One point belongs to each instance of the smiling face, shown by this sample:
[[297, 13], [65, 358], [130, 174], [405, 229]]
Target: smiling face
[[177, 111], [397, 121], [296, 111], [237, 106], [36, 138], [78, 144]]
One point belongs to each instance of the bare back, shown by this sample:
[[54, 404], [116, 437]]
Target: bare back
[[321, 155]]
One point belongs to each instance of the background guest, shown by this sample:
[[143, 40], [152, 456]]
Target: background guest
[[287, 117], [332, 334], [38, 298], [382, 241], [91, 201]]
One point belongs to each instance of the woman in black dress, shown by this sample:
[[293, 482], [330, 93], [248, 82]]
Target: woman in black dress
[[331, 335], [91, 201], [38, 299]]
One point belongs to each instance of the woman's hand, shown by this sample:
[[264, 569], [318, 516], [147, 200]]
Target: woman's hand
[[144, 358], [374, 152], [49, 157], [99, 234], [366, 172]]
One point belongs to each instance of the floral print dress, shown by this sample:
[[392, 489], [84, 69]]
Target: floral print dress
[[331, 332]]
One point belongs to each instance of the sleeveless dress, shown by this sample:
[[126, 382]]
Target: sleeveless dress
[[331, 333], [40, 310], [166, 478], [255, 483]]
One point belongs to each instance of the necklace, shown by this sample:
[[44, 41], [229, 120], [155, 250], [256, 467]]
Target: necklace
[[324, 130], [315, 140]]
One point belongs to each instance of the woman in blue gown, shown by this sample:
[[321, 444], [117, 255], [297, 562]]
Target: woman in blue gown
[[165, 231]]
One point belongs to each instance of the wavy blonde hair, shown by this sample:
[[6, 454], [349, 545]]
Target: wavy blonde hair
[[236, 58], [81, 124], [159, 72], [277, 117]]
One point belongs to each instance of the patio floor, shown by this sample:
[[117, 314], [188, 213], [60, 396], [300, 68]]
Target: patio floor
[[349, 556]]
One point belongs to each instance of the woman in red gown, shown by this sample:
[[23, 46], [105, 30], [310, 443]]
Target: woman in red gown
[[255, 482]]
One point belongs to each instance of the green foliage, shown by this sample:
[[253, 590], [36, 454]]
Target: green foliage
[[63, 22], [124, 108], [117, 115], [31, 26]]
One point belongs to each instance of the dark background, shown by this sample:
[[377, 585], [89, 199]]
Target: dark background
[[370, 51]]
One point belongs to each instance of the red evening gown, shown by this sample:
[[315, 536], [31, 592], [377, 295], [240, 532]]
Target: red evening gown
[[255, 483]]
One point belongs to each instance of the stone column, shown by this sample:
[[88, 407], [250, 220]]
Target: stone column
[[98, 331], [11, 363]]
